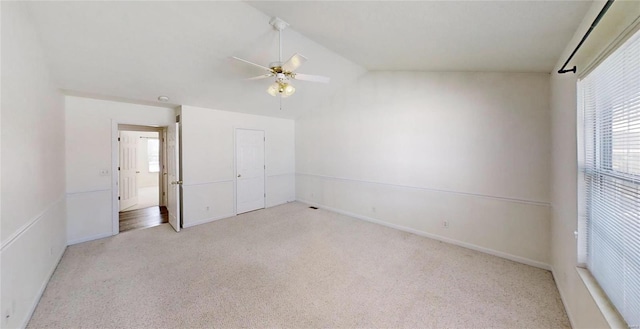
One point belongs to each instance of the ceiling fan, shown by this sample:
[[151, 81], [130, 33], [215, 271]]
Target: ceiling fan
[[283, 72]]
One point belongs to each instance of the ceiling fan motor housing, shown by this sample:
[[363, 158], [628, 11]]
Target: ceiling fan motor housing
[[276, 67], [282, 78]]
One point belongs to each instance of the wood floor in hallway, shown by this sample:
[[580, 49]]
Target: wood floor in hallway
[[143, 218]]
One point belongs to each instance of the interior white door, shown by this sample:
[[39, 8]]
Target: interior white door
[[250, 194], [128, 182], [164, 177], [173, 173]]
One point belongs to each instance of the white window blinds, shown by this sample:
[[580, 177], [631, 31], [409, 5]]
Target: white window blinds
[[610, 101]]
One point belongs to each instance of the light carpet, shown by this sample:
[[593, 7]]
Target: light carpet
[[292, 266]]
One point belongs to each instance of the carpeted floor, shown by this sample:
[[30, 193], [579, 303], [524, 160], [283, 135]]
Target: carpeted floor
[[291, 266]]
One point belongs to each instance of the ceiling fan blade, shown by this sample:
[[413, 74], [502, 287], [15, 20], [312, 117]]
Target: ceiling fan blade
[[251, 63], [293, 63], [309, 77], [261, 76]]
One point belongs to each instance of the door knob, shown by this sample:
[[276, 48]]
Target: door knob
[[239, 175]]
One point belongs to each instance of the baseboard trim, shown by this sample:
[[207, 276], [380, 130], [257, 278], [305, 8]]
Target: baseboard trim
[[213, 219], [279, 203], [90, 238], [25, 322], [500, 254], [564, 301], [208, 220]]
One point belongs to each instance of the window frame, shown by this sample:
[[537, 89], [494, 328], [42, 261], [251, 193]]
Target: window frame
[[603, 148], [149, 155]]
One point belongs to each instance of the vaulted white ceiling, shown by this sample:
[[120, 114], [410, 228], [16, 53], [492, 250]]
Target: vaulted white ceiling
[[141, 50], [505, 36]]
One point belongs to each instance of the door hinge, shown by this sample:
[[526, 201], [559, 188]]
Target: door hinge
[[118, 168], [118, 139], [118, 198], [265, 195]]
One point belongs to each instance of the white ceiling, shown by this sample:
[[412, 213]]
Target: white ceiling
[[140, 50], [505, 36]]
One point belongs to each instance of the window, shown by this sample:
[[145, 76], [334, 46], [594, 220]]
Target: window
[[153, 154], [609, 99]]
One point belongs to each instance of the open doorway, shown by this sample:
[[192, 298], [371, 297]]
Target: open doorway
[[141, 177]]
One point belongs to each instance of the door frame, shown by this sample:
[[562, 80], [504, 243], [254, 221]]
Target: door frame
[[235, 166], [116, 127]]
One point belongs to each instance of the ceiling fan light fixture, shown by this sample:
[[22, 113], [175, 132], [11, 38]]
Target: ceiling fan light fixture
[[289, 90], [273, 89], [283, 89]]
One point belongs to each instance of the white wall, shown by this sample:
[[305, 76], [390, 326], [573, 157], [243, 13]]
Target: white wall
[[33, 215], [579, 303], [89, 125], [412, 150], [208, 160]]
